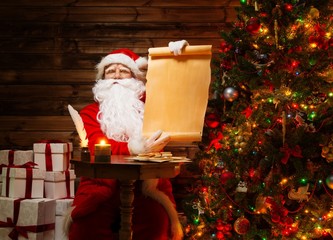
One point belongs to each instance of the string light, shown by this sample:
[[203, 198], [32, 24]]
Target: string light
[[303, 181], [295, 105], [312, 115], [284, 181]]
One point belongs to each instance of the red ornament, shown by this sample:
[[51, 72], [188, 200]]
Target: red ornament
[[212, 120], [225, 176], [263, 14], [223, 230], [220, 235], [219, 225], [247, 112], [253, 25], [288, 7], [242, 225], [225, 47], [275, 217], [215, 142]]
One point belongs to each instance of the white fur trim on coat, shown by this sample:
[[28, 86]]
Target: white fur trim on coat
[[149, 188], [136, 146]]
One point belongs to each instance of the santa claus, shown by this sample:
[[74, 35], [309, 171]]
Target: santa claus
[[116, 116]]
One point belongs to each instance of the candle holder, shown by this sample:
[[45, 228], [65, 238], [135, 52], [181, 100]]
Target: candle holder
[[102, 152], [85, 154]]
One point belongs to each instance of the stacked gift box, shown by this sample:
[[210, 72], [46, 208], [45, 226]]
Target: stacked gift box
[[11, 157], [37, 191]]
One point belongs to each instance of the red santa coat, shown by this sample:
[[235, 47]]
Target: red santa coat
[[96, 203]]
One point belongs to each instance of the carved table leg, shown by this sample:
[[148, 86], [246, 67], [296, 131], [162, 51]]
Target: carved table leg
[[126, 209]]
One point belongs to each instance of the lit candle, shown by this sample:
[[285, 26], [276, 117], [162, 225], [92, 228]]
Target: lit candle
[[102, 152]]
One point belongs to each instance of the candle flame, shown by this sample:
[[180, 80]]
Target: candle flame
[[102, 142]]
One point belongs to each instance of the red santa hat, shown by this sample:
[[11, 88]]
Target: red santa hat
[[135, 63]]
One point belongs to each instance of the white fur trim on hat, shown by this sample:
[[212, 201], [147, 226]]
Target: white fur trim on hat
[[137, 67]]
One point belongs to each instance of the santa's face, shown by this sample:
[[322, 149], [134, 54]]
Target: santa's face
[[121, 110], [117, 71]]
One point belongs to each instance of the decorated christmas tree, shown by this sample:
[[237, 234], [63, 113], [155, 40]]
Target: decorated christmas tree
[[266, 160]]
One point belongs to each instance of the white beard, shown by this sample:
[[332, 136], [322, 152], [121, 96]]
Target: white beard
[[121, 110]]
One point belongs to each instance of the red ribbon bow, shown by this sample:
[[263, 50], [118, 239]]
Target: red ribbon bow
[[278, 212], [48, 153], [295, 152], [216, 142], [28, 183], [16, 231]]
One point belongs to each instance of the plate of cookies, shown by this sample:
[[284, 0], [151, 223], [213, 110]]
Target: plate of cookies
[[159, 157]]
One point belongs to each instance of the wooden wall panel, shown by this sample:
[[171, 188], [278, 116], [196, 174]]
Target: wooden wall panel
[[49, 49], [121, 3], [119, 14]]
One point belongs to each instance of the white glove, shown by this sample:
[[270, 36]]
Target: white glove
[[153, 144], [177, 47], [156, 143]]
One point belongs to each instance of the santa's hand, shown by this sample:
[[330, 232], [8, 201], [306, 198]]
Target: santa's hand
[[157, 142], [177, 47]]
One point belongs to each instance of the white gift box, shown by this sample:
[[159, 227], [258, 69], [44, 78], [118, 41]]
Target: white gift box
[[56, 159], [58, 231], [16, 157], [16, 182], [59, 184], [62, 207], [36, 217]]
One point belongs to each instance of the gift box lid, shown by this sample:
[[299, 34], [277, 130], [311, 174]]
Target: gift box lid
[[19, 156], [55, 147], [21, 173], [57, 176], [32, 211]]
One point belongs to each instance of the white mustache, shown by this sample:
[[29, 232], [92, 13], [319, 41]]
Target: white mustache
[[102, 86]]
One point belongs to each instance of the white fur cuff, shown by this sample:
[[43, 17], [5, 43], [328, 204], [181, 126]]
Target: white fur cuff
[[136, 146]]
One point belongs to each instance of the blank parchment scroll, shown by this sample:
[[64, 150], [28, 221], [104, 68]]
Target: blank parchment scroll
[[177, 92]]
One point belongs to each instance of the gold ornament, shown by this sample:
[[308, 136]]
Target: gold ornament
[[313, 13], [327, 150], [241, 225]]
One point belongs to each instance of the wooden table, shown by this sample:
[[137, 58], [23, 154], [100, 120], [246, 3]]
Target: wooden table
[[127, 172]]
